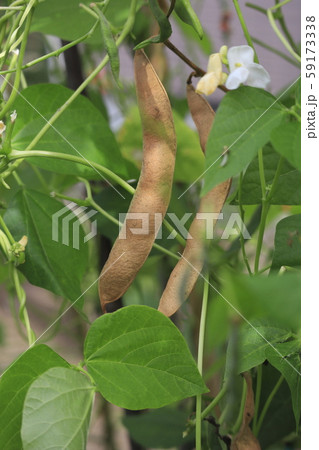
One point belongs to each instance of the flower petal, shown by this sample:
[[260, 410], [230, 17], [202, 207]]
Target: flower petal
[[237, 77], [214, 64], [207, 84], [258, 76], [242, 54]]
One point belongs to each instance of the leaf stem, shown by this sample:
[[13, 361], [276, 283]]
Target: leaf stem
[[17, 154], [267, 404], [245, 29], [200, 357]]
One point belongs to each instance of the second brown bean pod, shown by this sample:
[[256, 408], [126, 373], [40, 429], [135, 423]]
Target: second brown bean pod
[[185, 274]]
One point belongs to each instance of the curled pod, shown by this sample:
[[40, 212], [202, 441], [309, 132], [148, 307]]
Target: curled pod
[[150, 201], [185, 274]]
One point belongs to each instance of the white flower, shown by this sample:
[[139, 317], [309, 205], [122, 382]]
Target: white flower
[[214, 76], [244, 70]]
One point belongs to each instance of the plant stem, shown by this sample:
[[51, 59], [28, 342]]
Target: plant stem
[[17, 154], [264, 211], [214, 402], [16, 84], [277, 52], [24, 317], [256, 7], [267, 404], [245, 29], [198, 71], [242, 216], [277, 31], [200, 357], [7, 231], [239, 419], [257, 397], [284, 28]]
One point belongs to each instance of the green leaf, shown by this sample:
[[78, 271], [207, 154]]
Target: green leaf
[[254, 340], [57, 410], [147, 429], [49, 264], [288, 187], [65, 20], [286, 140], [287, 242], [289, 367], [109, 43], [163, 22], [189, 158], [185, 12], [276, 299], [139, 359], [14, 384], [81, 131], [243, 124]]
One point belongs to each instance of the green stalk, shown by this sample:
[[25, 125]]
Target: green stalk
[[284, 28], [242, 216], [275, 51], [16, 83], [211, 406], [214, 402], [245, 29], [24, 317], [277, 31], [7, 231], [200, 357], [16, 154], [267, 404], [239, 419], [257, 397], [264, 211]]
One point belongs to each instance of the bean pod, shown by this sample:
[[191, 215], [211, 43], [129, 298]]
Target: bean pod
[[185, 274], [153, 191]]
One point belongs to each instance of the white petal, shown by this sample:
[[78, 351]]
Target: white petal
[[258, 76], [207, 84], [242, 54], [236, 78], [214, 64]]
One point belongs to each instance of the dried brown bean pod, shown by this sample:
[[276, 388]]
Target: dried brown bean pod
[[184, 276], [153, 191]]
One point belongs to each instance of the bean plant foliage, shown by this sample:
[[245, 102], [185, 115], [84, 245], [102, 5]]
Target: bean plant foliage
[[224, 371]]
